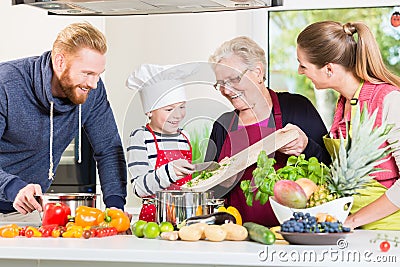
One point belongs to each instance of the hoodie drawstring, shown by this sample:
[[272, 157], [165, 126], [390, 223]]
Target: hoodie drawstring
[[80, 134], [51, 173], [51, 165]]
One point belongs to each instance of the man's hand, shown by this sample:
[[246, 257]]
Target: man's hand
[[25, 201], [182, 168]]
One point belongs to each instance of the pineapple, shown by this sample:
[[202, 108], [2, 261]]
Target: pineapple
[[356, 160], [320, 196]]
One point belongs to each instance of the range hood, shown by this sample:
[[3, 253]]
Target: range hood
[[143, 7]]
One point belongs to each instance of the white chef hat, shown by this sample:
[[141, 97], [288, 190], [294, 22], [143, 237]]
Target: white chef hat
[[159, 86]]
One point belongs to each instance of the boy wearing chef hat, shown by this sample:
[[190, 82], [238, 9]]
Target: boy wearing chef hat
[[159, 153]]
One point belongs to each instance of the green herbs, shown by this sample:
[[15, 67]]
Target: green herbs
[[203, 175], [265, 176], [299, 167]]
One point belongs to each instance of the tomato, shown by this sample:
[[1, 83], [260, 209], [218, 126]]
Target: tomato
[[86, 234], [114, 231], [384, 246], [21, 231], [29, 233]]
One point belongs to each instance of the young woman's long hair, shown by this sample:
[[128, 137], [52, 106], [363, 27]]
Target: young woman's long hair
[[331, 42]]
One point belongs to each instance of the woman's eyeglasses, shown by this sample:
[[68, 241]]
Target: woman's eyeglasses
[[229, 82]]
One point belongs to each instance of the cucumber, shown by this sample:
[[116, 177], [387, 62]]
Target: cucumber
[[260, 233]]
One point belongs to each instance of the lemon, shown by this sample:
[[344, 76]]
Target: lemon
[[166, 227], [137, 228], [151, 230]]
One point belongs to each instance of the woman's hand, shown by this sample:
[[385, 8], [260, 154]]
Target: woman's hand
[[182, 168], [297, 146]]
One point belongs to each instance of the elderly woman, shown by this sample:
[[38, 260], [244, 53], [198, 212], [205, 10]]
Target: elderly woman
[[240, 66]]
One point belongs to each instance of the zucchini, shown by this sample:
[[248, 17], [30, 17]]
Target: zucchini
[[260, 233]]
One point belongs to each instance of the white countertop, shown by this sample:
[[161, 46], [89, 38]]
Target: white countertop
[[130, 250]]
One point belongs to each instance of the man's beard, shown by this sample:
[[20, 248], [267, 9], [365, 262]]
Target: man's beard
[[70, 90]]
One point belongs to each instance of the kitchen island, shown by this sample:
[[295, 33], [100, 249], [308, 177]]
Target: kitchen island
[[356, 250]]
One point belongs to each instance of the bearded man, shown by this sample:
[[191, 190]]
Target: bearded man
[[44, 102]]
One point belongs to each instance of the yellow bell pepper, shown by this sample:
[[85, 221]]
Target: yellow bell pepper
[[232, 210]]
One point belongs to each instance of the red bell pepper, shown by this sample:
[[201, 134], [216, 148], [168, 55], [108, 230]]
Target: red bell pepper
[[56, 213]]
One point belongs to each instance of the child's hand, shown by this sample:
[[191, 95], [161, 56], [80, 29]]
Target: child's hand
[[182, 168]]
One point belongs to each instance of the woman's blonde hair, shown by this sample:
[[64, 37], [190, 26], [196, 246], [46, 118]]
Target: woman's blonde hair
[[245, 48], [77, 36], [331, 42]]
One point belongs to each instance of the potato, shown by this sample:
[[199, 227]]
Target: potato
[[200, 226], [235, 232], [188, 233], [214, 233]]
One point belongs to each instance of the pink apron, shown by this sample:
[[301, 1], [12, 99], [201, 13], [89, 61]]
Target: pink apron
[[148, 211], [241, 139]]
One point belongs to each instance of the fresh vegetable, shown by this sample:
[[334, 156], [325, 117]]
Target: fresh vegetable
[[73, 231], [31, 231], [201, 227], [384, 246], [232, 210], [114, 218], [235, 232], [47, 230], [9, 230], [87, 216], [265, 176], [214, 218], [171, 236], [56, 213], [260, 233], [290, 194], [190, 233], [98, 231], [214, 233]]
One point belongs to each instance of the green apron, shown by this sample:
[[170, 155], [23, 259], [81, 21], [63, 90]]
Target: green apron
[[371, 192]]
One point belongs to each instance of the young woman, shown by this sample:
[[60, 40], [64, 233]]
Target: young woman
[[346, 58]]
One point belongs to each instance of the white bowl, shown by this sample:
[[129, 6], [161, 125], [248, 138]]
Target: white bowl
[[339, 208]]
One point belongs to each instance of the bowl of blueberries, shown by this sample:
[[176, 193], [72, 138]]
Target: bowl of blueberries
[[306, 229]]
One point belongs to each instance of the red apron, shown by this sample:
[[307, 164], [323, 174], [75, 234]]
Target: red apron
[[148, 211], [235, 142]]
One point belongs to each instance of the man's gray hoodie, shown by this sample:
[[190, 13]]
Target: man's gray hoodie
[[25, 96]]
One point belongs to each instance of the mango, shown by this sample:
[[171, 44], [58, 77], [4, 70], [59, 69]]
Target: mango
[[290, 194], [308, 186]]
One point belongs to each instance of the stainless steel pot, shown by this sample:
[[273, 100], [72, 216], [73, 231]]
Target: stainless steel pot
[[73, 200], [175, 206]]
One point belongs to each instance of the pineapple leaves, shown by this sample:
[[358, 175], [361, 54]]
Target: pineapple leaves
[[358, 157]]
